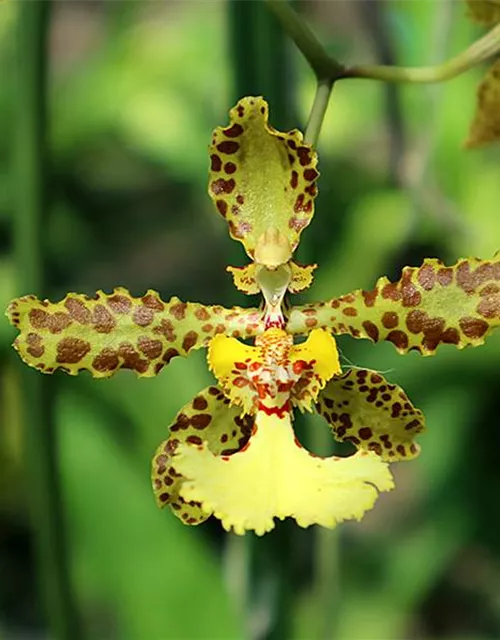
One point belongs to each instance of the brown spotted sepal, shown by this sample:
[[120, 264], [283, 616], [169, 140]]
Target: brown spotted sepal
[[428, 306], [485, 127], [108, 332], [374, 415], [484, 12], [261, 181], [207, 418]]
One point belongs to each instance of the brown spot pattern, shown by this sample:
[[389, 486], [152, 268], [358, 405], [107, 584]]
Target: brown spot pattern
[[215, 162], [151, 348], [35, 345], [119, 303], [222, 186], [102, 319], [71, 350], [390, 320], [78, 311], [228, 147], [143, 316]]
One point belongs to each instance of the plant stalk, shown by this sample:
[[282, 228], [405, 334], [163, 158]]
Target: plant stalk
[[43, 486], [479, 51], [323, 65], [328, 68], [318, 111]]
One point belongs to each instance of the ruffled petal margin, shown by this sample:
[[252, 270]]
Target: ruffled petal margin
[[274, 476]]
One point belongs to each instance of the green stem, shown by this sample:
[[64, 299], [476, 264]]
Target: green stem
[[326, 571], [243, 49], [237, 555], [318, 110], [258, 48], [478, 52], [40, 435], [323, 65], [327, 582]]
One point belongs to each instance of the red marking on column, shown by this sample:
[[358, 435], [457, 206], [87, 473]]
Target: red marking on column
[[277, 411]]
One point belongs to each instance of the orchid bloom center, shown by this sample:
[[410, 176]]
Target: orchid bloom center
[[274, 374], [273, 475]]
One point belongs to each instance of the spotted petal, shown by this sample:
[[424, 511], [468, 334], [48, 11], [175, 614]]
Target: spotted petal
[[263, 182], [485, 12], [362, 407], [207, 418], [230, 360], [429, 306], [117, 331], [485, 127], [273, 476]]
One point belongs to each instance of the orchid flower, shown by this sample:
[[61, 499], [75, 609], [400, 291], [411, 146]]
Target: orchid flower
[[232, 452]]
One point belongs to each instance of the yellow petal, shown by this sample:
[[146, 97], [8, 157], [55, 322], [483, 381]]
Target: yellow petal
[[274, 371], [229, 360], [302, 276], [320, 358], [244, 278], [275, 477]]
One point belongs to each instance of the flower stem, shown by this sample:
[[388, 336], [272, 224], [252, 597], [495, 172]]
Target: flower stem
[[327, 582], [258, 47], [326, 587], [318, 110], [40, 435], [328, 68], [237, 557], [481, 50], [323, 65]]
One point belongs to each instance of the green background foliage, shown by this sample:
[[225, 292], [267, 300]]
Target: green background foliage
[[135, 91]]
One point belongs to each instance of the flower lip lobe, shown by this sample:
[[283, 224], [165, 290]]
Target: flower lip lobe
[[271, 475], [274, 477]]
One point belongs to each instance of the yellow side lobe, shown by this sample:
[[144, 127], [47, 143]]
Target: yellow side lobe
[[225, 355], [276, 477], [321, 347]]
